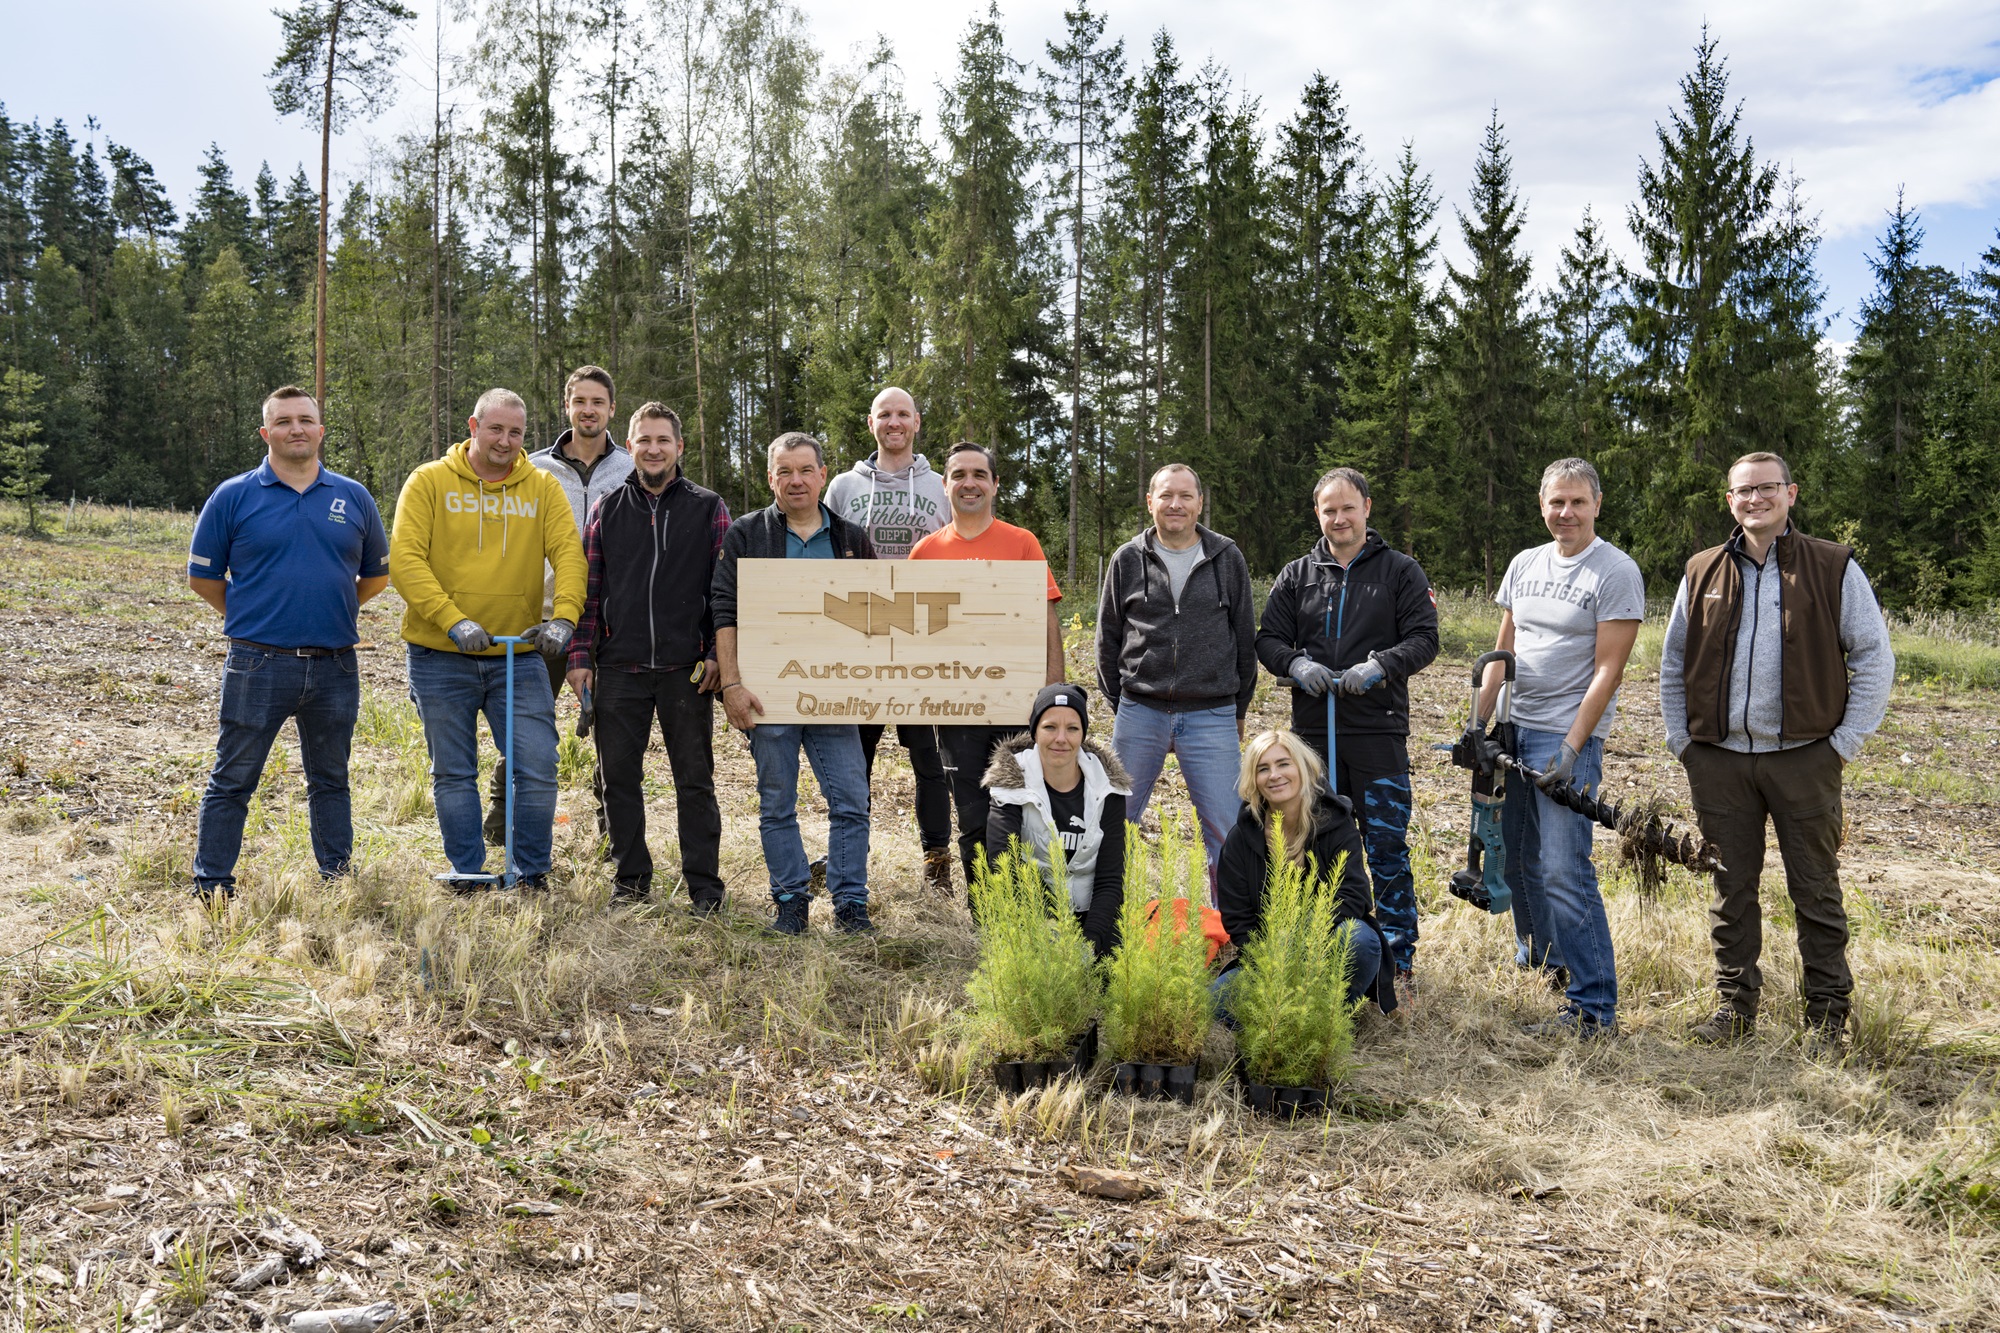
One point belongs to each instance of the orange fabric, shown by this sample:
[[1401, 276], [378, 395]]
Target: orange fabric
[[1002, 541], [1211, 924]]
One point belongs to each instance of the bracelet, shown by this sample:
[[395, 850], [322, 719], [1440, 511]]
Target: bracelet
[[732, 685]]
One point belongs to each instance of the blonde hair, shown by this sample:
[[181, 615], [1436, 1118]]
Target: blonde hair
[[1298, 841]]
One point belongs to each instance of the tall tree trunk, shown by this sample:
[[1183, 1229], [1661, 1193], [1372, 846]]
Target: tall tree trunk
[[1076, 349], [612, 197], [437, 225], [325, 187]]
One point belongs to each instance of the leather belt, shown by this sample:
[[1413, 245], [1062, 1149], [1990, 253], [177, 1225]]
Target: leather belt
[[290, 652]]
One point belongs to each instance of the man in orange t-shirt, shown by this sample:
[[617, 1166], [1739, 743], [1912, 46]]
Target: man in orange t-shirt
[[971, 480]]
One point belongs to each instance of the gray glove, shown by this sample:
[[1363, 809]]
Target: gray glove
[[1562, 770], [1361, 677], [553, 636], [470, 636], [1310, 676]]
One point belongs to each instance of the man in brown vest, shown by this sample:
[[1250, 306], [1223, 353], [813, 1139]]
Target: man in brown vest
[[1776, 669]]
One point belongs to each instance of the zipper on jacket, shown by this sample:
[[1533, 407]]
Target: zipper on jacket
[[1750, 668], [653, 504]]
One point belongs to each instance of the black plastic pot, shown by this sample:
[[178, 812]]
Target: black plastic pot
[[1173, 1083], [1280, 1100], [1020, 1075]]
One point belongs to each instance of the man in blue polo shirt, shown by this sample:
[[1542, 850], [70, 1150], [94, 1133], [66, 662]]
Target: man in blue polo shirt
[[286, 554]]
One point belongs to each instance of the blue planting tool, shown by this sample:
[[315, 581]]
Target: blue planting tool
[[508, 876]]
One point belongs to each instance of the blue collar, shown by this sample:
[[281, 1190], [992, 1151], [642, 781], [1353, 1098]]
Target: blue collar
[[266, 476]]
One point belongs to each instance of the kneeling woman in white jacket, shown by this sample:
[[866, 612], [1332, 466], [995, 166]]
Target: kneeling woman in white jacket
[[1053, 784]]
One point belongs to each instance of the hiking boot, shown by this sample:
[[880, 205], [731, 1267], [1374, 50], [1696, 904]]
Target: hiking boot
[[532, 884], [937, 870], [816, 874], [791, 917], [852, 919], [704, 908], [1826, 1038], [1725, 1027], [1572, 1022], [631, 890]]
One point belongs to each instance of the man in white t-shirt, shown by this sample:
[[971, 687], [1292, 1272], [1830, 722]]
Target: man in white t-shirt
[[1573, 609]]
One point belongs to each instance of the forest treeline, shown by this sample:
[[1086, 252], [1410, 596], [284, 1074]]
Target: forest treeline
[[1101, 261]]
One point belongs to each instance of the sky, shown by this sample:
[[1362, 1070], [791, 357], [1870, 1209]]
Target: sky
[[1860, 99]]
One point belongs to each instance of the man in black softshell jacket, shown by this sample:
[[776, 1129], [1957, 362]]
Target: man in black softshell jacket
[[1354, 609], [645, 648]]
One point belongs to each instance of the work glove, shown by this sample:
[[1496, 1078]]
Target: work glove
[[553, 636], [1310, 676], [470, 636], [1361, 677], [1561, 771]]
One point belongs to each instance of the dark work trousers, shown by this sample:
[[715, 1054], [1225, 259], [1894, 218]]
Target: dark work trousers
[[496, 786], [1798, 790], [1375, 775], [933, 793], [965, 751], [627, 702]]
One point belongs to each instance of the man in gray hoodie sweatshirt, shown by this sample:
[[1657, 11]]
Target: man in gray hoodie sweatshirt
[[1775, 670], [895, 497]]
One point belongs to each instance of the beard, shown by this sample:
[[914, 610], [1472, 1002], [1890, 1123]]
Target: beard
[[654, 481]]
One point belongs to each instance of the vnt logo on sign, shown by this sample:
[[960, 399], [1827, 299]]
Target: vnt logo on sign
[[873, 614]]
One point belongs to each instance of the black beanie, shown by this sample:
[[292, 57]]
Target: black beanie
[[1059, 696]]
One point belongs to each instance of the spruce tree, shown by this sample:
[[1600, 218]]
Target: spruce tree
[[21, 450], [1583, 349], [1492, 372]]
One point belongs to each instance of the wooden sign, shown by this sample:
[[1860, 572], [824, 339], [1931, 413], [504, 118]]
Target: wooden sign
[[943, 642]]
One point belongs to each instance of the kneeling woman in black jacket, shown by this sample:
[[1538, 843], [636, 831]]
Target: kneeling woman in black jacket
[[1055, 785], [1281, 775]]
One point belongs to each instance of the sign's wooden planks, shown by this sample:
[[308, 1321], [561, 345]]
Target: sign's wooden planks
[[938, 642]]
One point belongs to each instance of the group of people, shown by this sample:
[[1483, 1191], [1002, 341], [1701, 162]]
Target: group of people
[[622, 573]]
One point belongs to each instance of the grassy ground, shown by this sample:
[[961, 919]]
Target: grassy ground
[[555, 1114]]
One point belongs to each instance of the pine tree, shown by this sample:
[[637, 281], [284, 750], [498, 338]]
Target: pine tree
[[1150, 203], [1584, 353], [1392, 410], [21, 477], [339, 60], [983, 294], [1084, 93], [1492, 366]]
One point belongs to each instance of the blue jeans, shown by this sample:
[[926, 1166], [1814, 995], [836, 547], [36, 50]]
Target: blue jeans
[[842, 769], [1558, 911], [1364, 960], [451, 690], [259, 691], [1211, 757]]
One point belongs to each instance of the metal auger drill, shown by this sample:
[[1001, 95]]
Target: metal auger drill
[[1648, 838]]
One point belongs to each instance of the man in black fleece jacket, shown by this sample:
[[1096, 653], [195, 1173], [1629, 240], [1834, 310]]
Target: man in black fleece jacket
[[1355, 610], [1177, 653], [645, 648]]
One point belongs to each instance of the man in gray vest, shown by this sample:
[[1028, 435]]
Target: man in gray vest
[[1775, 671]]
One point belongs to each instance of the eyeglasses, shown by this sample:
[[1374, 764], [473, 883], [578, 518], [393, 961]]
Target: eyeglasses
[[1763, 490]]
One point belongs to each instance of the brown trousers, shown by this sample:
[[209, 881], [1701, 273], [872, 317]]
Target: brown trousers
[[1798, 791]]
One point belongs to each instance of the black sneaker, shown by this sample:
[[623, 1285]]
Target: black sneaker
[[791, 918], [532, 884], [817, 871], [1826, 1039], [210, 893], [704, 908], [632, 890], [852, 919]]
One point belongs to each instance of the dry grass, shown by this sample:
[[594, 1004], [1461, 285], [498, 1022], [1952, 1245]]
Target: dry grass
[[555, 1114]]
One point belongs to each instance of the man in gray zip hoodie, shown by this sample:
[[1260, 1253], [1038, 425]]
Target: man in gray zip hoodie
[[895, 498], [1775, 670], [1177, 654]]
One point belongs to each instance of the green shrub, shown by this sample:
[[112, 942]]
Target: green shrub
[[1296, 1028], [1036, 987], [1157, 1005]]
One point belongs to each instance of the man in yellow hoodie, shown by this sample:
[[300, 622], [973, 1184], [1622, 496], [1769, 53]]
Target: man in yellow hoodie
[[472, 533]]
